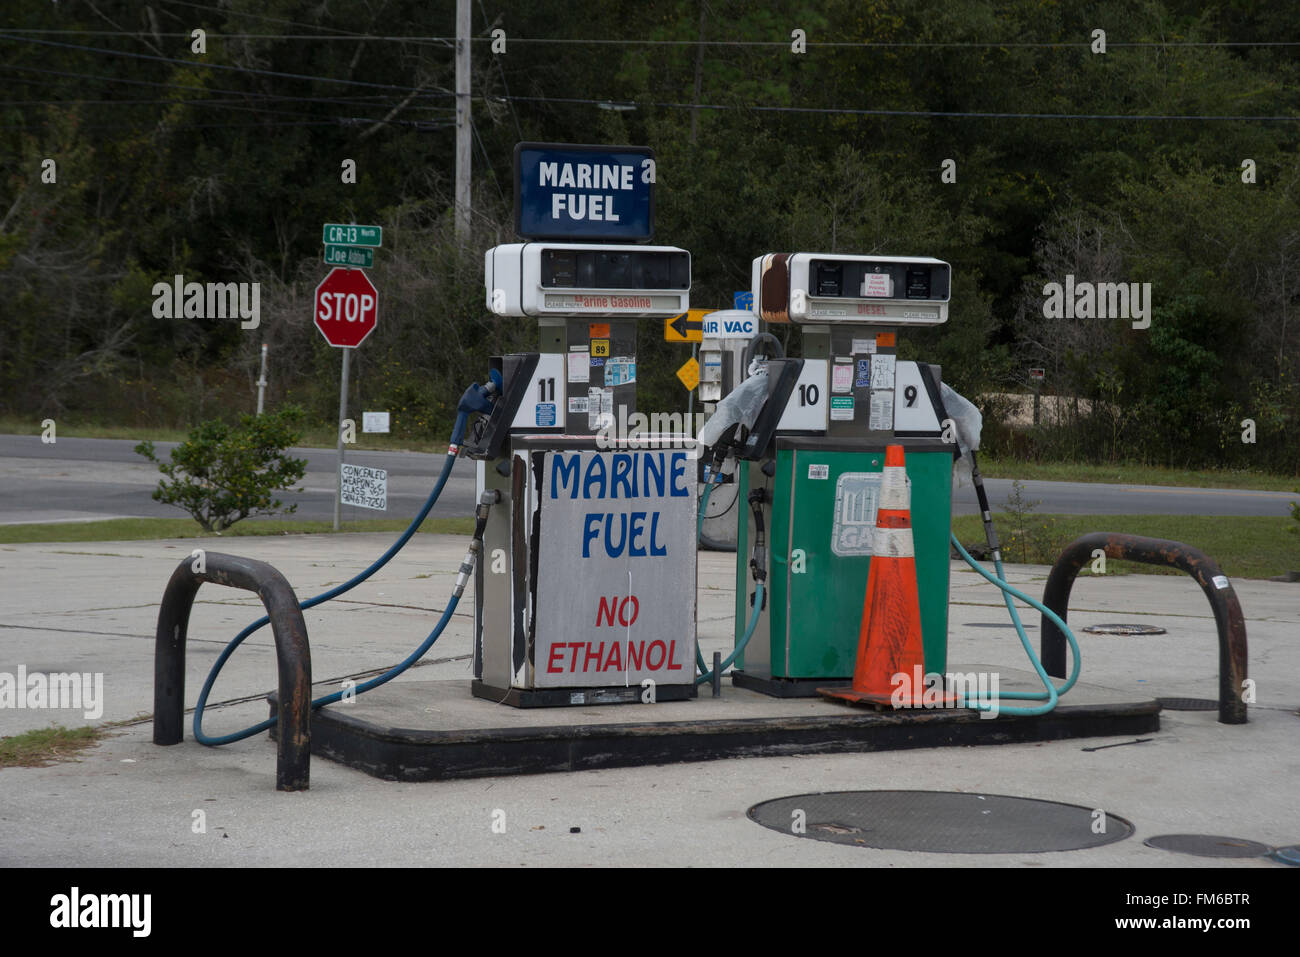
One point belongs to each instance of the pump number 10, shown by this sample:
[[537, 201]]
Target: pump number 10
[[806, 408]]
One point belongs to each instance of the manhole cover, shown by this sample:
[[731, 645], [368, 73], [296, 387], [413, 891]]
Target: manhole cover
[[1208, 845], [940, 821], [1121, 629], [1188, 704], [1288, 855]]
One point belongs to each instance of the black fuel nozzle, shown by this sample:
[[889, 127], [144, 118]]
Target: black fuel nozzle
[[727, 444], [758, 556]]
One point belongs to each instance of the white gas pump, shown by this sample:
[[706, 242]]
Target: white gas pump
[[586, 594]]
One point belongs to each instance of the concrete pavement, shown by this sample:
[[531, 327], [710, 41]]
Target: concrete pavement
[[93, 608]]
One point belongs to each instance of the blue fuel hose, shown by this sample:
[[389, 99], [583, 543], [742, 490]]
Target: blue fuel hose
[[1051, 693], [476, 399]]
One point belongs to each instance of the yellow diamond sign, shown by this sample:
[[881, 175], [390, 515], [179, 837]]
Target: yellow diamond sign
[[689, 373]]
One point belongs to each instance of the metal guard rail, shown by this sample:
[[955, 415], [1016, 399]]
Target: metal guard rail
[[1155, 551], [293, 656]]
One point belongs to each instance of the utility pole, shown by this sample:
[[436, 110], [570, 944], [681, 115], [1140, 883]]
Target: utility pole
[[463, 128]]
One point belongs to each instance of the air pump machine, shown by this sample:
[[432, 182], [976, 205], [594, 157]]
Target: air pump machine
[[809, 469]]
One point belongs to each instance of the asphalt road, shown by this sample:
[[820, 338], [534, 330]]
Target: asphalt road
[[80, 479]]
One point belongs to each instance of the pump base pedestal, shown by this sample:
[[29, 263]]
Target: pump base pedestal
[[787, 687], [567, 697], [435, 731]]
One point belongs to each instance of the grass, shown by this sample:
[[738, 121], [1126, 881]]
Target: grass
[[311, 439], [141, 529], [44, 746], [1244, 547], [1130, 474]]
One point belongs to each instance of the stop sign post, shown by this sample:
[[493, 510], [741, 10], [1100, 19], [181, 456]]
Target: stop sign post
[[347, 309]]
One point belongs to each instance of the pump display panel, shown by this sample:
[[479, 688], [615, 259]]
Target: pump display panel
[[569, 279], [823, 287]]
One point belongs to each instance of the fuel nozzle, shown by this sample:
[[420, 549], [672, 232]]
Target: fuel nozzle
[[477, 399], [724, 448], [758, 556]]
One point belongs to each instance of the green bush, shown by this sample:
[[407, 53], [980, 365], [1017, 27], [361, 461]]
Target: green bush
[[223, 473]]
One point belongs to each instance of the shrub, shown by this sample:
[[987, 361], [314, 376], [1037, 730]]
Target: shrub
[[223, 473]]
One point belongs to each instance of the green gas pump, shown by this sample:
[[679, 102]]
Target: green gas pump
[[810, 467]]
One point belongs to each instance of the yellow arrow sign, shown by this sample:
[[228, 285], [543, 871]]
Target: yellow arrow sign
[[689, 373], [688, 327]]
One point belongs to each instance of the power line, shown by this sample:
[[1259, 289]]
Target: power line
[[840, 111], [932, 114], [215, 104], [223, 35], [892, 44], [209, 66], [203, 126], [358, 99], [782, 44], [255, 16]]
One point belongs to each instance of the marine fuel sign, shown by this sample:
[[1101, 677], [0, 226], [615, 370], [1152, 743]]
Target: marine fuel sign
[[616, 568], [584, 192]]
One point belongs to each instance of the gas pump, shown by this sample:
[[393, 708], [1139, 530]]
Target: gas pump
[[586, 591], [810, 468]]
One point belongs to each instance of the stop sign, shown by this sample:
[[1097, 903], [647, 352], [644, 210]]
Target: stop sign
[[347, 305]]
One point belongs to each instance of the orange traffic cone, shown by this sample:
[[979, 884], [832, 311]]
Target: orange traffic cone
[[890, 669]]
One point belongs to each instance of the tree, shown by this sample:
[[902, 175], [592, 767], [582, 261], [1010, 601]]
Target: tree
[[221, 473]]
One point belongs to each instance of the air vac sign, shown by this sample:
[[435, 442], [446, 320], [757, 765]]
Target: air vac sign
[[584, 192], [616, 568]]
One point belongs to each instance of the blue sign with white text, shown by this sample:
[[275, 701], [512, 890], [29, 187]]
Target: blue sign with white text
[[598, 193]]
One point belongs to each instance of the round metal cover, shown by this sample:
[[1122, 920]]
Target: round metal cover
[[1287, 855], [1188, 704], [1122, 629], [944, 822], [1208, 845]]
